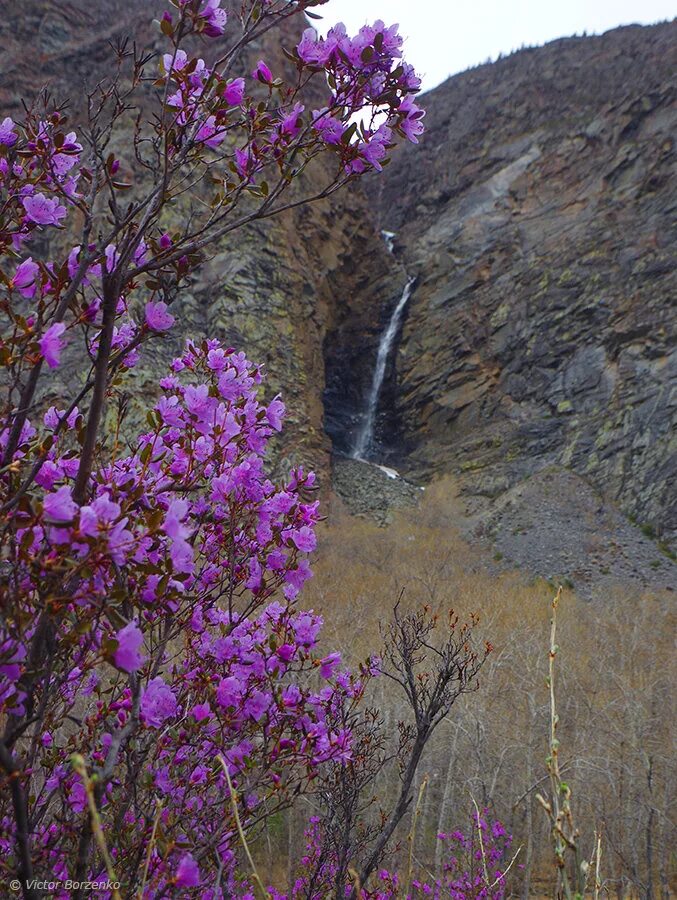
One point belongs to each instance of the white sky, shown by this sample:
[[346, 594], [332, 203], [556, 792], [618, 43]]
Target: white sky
[[447, 36]]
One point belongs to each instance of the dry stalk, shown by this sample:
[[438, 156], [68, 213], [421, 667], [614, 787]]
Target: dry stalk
[[151, 844], [564, 832], [78, 764], [240, 829], [411, 837]]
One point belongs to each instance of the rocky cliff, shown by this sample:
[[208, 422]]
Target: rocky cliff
[[539, 217]]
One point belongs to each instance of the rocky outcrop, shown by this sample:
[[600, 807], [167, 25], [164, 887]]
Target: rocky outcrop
[[372, 490], [539, 216]]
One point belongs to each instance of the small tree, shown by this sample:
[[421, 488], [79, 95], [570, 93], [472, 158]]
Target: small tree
[[149, 624]]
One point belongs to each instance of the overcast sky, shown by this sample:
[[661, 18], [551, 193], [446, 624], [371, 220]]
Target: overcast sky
[[447, 36]]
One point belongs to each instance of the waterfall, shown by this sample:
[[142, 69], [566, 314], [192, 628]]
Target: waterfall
[[389, 238], [365, 435]]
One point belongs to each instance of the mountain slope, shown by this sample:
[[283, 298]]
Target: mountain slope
[[539, 217]]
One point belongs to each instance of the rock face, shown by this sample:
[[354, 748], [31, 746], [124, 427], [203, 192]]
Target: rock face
[[539, 217]]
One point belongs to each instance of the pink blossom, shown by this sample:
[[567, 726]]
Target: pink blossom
[[43, 210], [158, 318], [60, 506], [50, 344], [128, 656], [158, 703], [262, 73], [25, 278], [234, 92]]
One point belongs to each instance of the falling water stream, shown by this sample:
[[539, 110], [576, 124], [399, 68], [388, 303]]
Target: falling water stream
[[365, 435]]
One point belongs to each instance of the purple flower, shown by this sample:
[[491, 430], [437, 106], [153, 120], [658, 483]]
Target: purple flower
[[180, 58], [128, 655], [25, 277], [158, 703], [256, 705], [102, 512], [50, 344], [188, 872], [215, 18], [8, 136], [157, 316], [199, 775], [274, 414], [329, 663], [411, 124], [377, 147], [329, 128], [60, 506], [234, 92], [64, 161], [310, 49], [42, 210], [77, 797], [53, 416], [304, 538], [228, 692], [262, 73], [291, 123], [210, 134], [201, 712]]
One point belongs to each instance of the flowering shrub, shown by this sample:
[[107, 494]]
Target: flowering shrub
[[152, 653], [472, 869]]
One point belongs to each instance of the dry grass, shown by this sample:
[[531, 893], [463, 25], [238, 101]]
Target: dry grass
[[616, 666]]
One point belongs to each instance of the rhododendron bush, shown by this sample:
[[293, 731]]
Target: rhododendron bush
[[157, 673]]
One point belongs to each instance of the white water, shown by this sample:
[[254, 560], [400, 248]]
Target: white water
[[389, 238], [365, 435]]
